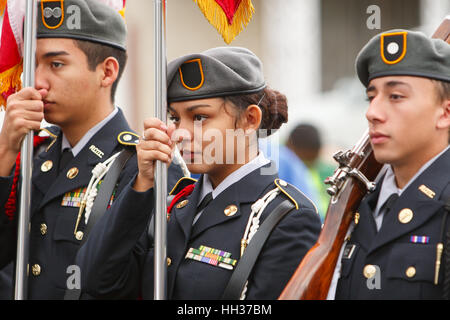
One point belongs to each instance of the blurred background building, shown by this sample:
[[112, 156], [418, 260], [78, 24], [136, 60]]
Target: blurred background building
[[308, 49]]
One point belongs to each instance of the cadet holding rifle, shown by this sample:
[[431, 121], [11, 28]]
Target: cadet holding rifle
[[402, 228]]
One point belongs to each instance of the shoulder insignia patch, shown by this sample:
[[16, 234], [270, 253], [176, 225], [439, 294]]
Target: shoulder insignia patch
[[185, 192], [128, 138], [181, 184]]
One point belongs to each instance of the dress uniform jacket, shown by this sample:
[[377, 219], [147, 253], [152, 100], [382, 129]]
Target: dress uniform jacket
[[53, 245], [107, 268], [403, 251]]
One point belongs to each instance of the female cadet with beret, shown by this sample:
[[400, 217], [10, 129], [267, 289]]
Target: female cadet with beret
[[218, 102]]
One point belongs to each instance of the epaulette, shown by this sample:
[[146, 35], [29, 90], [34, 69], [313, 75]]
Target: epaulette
[[288, 190], [50, 133], [128, 138]]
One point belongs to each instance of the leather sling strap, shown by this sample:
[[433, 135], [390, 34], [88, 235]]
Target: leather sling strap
[[248, 259]]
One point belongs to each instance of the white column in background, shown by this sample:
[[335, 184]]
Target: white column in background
[[432, 13]]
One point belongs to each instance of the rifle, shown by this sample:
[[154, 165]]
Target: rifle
[[349, 184]]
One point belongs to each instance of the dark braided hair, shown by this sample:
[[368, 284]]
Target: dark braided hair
[[273, 104]]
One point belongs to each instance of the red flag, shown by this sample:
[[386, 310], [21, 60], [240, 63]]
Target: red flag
[[11, 48], [229, 17]]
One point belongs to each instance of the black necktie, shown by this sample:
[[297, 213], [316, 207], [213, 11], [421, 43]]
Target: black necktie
[[389, 204], [204, 203], [65, 158]]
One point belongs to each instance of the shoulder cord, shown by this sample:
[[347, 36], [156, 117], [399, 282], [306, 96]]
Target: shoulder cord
[[87, 202], [100, 170], [253, 224], [178, 159]]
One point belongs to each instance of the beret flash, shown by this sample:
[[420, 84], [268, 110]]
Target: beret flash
[[217, 72], [81, 20], [404, 53]]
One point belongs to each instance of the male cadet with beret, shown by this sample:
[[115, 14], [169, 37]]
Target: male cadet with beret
[[395, 249], [80, 56]]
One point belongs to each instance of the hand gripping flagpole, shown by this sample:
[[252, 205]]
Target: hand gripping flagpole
[[160, 257], [26, 159]]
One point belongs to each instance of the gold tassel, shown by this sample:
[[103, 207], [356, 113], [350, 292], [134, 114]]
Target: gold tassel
[[10, 79], [215, 15], [122, 13]]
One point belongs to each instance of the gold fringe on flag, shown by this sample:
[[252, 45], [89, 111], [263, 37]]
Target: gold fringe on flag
[[122, 12], [10, 82], [214, 13], [2, 6]]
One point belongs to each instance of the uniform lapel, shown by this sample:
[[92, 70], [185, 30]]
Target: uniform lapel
[[104, 140], [422, 206], [366, 229], [185, 216], [246, 190], [43, 180]]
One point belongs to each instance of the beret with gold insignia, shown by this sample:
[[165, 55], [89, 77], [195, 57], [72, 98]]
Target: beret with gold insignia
[[404, 53], [81, 20], [217, 72]]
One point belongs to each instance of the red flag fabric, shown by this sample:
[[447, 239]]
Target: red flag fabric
[[11, 48], [11, 204], [229, 17]]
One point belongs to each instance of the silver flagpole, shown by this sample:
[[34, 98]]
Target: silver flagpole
[[160, 271], [26, 159]]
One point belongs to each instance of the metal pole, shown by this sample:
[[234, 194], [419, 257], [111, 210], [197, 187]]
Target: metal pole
[[26, 159], [160, 256]]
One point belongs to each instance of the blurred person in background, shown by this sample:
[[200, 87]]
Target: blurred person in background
[[305, 141]]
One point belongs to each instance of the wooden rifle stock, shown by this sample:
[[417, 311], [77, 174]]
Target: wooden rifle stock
[[350, 182]]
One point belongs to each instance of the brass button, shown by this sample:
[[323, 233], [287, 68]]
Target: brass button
[[356, 217], [405, 215], [43, 229], [72, 173], [369, 271], [47, 166], [169, 261], [230, 210], [182, 204], [282, 183], [410, 272], [127, 137], [36, 270], [79, 235]]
